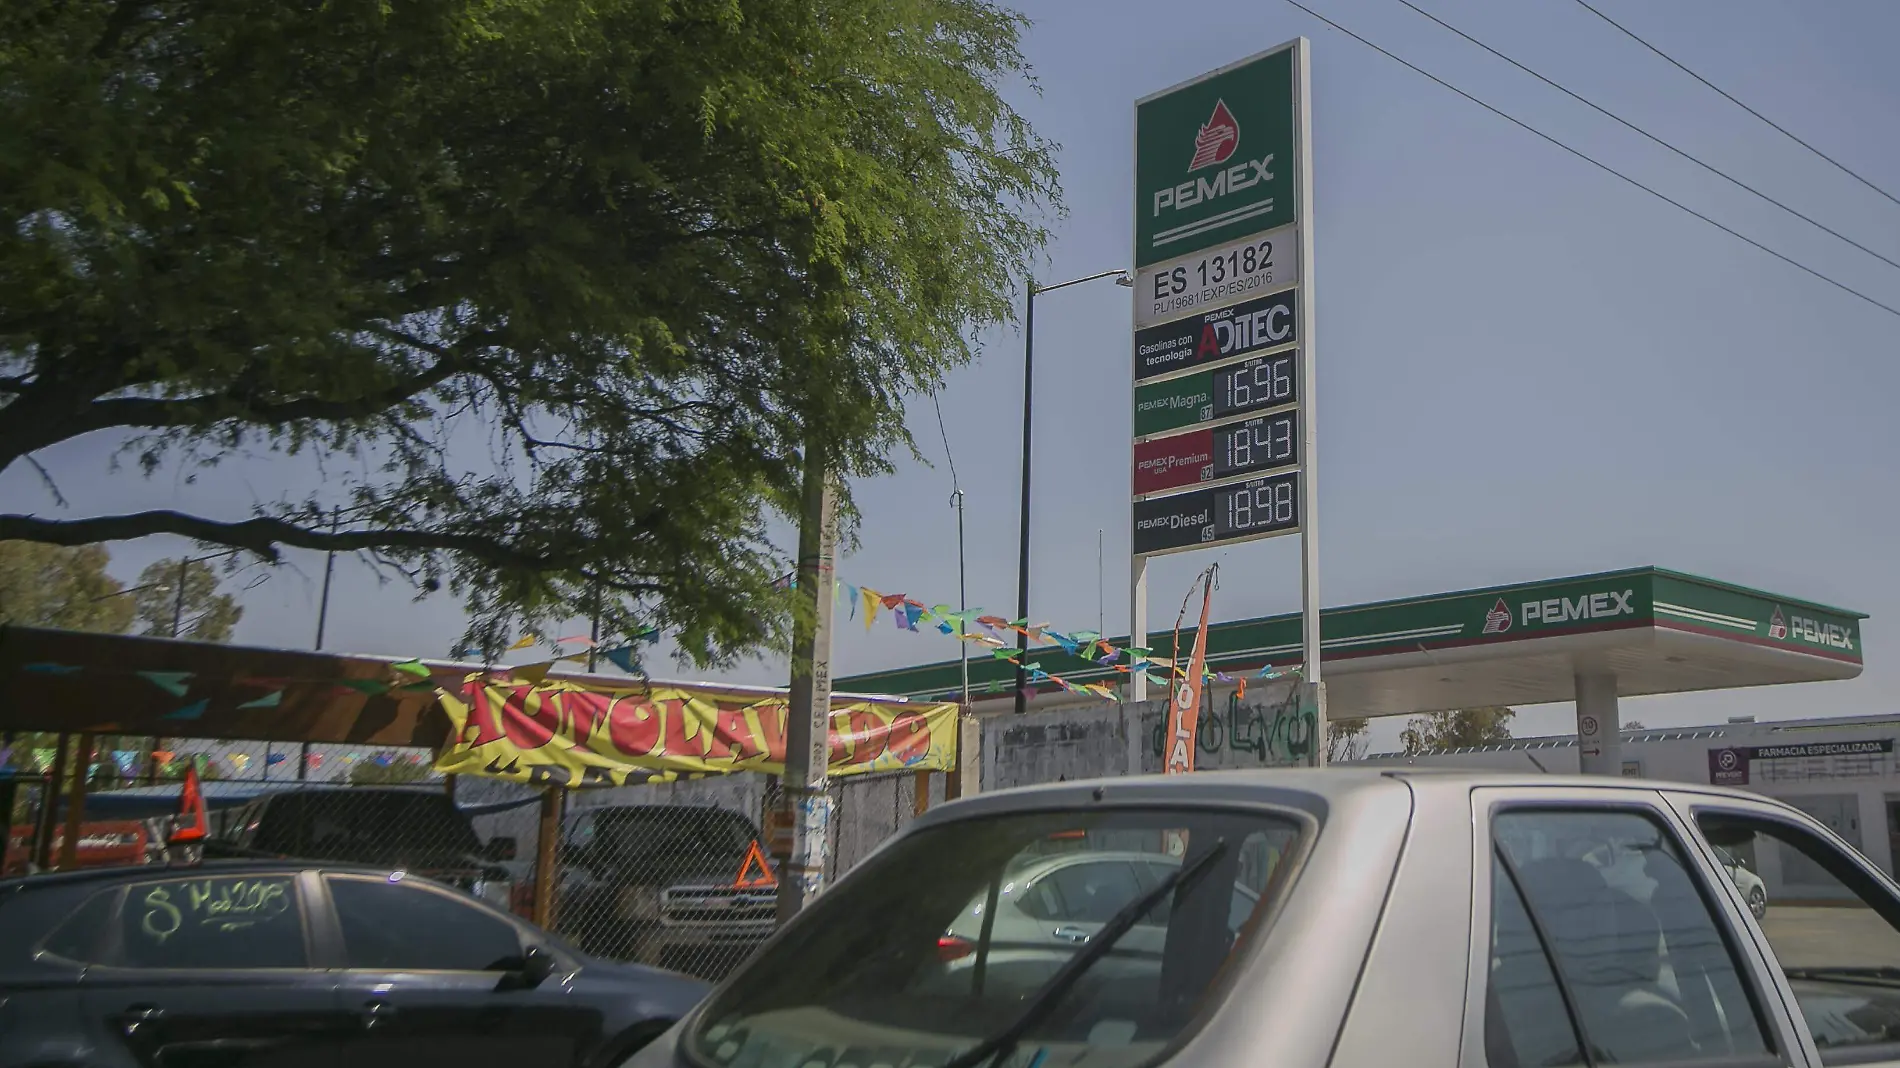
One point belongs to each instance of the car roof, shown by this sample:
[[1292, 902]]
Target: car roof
[[1311, 787], [141, 872]]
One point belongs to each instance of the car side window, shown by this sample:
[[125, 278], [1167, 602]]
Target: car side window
[[1602, 939], [213, 922], [1834, 930], [390, 926], [78, 936]]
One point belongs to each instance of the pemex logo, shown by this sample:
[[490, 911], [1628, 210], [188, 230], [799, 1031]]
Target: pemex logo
[[1498, 619], [1777, 624], [1219, 137]]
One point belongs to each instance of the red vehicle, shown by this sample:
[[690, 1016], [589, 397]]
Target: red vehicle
[[102, 844]]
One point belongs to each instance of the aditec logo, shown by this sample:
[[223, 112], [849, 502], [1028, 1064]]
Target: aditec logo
[[1777, 624], [1498, 619], [1219, 137]]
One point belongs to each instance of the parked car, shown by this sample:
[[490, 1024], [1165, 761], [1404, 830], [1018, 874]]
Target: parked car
[[102, 843], [1754, 891], [420, 831], [658, 884], [1051, 904], [1424, 918], [250, 964]]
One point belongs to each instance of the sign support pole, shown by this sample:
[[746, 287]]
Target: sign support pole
[[1314, 695], [1138, 626], [807, 799]]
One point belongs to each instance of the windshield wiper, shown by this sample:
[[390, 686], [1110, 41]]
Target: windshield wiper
[[1046, 998], [1870, 976]]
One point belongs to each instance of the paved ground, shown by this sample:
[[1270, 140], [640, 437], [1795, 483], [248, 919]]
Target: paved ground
[[1807, 936]]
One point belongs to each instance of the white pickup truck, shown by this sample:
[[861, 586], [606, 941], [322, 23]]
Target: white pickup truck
[[1340, 917]]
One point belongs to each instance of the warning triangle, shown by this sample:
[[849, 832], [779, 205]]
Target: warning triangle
[[192, 819], [754, 862]]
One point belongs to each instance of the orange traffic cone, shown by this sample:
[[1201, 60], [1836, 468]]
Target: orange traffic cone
[[193, 821]]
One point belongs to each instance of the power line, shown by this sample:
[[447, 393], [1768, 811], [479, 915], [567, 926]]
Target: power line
[[1732, 180], [1592, 161], [1783, 130]]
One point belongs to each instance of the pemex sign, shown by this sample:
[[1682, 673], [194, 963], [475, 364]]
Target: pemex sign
[[1214, 159]]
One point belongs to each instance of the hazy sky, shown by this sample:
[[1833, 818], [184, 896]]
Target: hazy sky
[[1527, 368]]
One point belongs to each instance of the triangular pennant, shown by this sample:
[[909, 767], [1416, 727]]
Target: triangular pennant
[[527, 642], [269, 700], [412, 667], [532, 674], [51, 669], [271, 760], [578, 639], [172, 682], [622, 658], [754, 863], [190, 711], [193, 822]]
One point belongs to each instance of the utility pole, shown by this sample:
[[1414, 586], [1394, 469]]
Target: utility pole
[[806, 799]]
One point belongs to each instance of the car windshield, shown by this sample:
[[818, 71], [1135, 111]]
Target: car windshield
[[937, 942], [676, 831], [344, 824]]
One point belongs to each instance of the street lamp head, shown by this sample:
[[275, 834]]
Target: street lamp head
[[1125, 279]]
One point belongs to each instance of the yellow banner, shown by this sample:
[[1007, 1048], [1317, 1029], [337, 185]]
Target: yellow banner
[[575, 734]]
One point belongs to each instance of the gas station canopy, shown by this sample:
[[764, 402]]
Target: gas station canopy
[[1654, 631]]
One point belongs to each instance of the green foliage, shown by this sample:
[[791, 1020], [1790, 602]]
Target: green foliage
[[200, 612], [1464, 728], [51, 586], [560, 289], [1346, 739]]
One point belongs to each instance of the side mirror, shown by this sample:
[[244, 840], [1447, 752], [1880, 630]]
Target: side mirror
[[528, 971], [500, 847]]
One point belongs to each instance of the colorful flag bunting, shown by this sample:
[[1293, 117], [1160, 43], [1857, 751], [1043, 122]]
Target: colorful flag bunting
[[172, 682]]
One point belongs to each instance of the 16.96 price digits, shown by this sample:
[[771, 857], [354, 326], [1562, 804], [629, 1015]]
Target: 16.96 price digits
[[1263, 383]]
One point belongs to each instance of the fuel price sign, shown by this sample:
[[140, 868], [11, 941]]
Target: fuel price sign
[[1262, 384], [1244, 447], [1244, 511]]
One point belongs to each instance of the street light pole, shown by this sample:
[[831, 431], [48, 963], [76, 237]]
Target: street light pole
[[1122, 278]]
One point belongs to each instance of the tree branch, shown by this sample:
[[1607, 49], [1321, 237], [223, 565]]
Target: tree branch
[[265, 537]]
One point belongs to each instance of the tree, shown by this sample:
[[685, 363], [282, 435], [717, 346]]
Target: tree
[[1346, 739], [1464, 728], [50, 586], [559, 292], [1635, 725], [201, 613]]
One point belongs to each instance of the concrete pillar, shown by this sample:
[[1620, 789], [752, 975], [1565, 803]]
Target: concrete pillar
[[1599, 731]]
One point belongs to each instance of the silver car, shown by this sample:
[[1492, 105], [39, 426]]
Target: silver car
[[1395, 917]]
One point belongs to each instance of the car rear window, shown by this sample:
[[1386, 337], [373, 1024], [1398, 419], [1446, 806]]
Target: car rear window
[[940, 942]]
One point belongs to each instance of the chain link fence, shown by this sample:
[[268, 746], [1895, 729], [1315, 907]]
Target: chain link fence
[[663, 873]]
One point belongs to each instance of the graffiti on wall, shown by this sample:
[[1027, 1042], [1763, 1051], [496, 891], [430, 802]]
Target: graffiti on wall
[[1270, 732]]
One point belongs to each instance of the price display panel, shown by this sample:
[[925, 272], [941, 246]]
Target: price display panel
[[1257, 508], [1256, 445], [1259, 385], [1242, 447]]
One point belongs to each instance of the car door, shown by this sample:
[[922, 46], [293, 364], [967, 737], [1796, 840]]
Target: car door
[[212, 971], [433, 976], [1603, 933], [1833, 934]]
